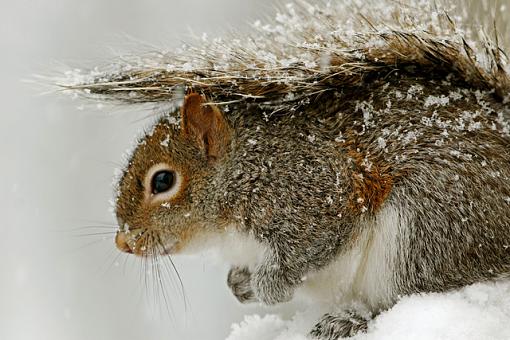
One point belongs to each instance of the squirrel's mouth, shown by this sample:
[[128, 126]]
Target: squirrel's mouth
[[144, 243]]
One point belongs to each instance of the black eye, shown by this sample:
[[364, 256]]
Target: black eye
[[162, 181]]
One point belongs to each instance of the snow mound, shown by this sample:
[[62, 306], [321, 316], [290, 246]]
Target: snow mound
[[477, 312]]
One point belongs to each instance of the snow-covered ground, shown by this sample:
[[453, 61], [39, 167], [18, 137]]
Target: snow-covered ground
[[477, 312]]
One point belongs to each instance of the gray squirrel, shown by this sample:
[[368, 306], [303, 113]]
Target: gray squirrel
[[355, 167]]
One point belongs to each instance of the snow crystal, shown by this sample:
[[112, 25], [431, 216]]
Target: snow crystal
[[474, 126], [398, 94], [381, 143], [413, 91], [366, 108], [289, 62], [325, 61], [165, 141], [455, 95], [410, 137], [433, 100], [187, 67], [340, 138], [439, 142], [426, 121], [310, 64]]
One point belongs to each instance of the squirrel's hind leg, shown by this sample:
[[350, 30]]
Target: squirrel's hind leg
[[333, 326]]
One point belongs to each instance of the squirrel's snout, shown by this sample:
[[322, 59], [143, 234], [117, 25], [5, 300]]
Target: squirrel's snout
[[121, 238], [121, 241], [135, 243]]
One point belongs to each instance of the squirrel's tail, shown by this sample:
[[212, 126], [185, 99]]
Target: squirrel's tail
[[310, 50]]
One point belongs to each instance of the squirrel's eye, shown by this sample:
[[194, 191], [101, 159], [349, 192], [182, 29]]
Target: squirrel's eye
[[162, 184], [162, 181]]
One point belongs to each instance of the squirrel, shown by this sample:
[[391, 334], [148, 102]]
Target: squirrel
[[356, 168]]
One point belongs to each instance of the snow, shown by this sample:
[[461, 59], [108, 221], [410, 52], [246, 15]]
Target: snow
[[433, 100], [477, 312], [381, 143], [255, 327]]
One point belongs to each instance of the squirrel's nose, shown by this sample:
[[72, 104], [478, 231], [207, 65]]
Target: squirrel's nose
[[121, 242]]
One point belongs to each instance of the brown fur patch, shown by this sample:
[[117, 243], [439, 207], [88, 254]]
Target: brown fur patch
[[371, 183]]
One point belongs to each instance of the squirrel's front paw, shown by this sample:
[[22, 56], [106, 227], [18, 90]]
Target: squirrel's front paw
[[239, 281], [341, 325], [271, 287]]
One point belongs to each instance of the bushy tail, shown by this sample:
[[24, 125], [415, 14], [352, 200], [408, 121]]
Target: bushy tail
[[310, 50]]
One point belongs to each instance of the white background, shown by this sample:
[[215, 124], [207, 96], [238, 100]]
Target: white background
[[55, 176], [56, 166]]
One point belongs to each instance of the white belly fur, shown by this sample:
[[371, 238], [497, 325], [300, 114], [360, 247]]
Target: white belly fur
[[230, 245], [363, 273]]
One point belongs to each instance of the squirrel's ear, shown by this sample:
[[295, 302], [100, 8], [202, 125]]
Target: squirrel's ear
[[204, 125]]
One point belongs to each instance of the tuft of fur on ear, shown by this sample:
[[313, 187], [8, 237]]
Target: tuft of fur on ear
[[205, 125]]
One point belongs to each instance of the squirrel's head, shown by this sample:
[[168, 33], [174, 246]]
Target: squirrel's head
[[162, 196]]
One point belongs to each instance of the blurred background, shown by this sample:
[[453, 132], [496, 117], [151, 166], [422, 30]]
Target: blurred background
[[60, 274], [57, 162]]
